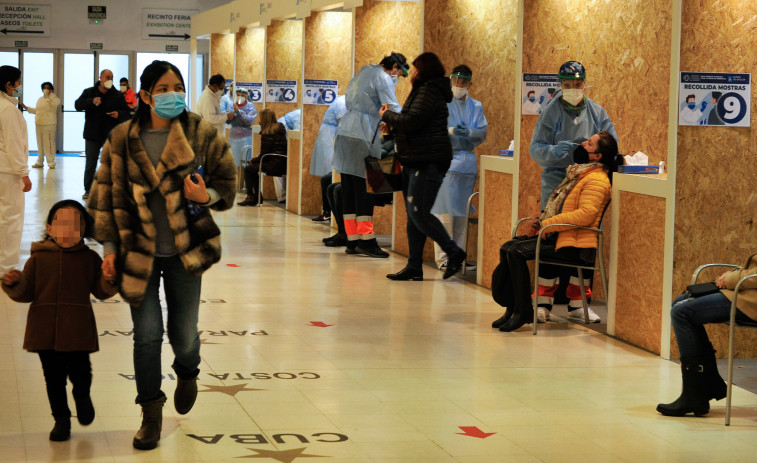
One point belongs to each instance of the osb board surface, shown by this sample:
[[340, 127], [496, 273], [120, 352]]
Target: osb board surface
[[293, 175], [483, 38], [382, 219], [250, 46], [638, 300], [400, 232], [384, 27], [716, 206], [625, 47], [328, 36], [222, 55], [497, 219], [284, 55]]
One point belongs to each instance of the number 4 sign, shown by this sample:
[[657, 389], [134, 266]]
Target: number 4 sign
[[284, 91], [714, 98]]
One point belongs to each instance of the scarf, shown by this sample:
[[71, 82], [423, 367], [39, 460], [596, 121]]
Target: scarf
[[557, 198]]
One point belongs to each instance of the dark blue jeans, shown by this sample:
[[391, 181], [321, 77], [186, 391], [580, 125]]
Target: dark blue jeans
[[183, 301], [689, 315], [420, 185], [92, 151]]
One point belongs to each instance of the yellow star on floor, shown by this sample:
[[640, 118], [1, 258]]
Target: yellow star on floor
[[229, 390], [284, 456]]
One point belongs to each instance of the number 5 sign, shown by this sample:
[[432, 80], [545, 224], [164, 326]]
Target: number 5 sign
[[714, 98]]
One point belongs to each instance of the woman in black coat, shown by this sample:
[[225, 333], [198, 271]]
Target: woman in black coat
[[425, 152]]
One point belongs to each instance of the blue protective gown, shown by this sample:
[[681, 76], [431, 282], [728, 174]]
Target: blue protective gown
[[291, 120], [557, 123], [370, 89], [240, 134], [323, 151], [460, 180]]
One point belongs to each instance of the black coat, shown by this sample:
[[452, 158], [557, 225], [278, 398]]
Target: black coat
[[97, 124], [420, 130]]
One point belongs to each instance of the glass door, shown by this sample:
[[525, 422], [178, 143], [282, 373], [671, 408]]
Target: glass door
[[38, 67], [78, 75]]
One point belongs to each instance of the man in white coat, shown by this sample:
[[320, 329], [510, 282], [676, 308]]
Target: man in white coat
[[14, 168], [209, 106]]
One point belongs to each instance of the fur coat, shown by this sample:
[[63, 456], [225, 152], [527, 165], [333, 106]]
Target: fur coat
[[118, 199]]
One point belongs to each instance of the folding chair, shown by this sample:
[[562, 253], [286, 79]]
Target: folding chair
[[245, 161], [578, 266], [469, 221], [732, 323]]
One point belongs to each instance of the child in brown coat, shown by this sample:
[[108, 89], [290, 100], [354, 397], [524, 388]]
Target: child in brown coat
[[58, 279]]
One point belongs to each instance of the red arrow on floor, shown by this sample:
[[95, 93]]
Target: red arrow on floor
[[320, 324], [232, 265], [473, 431]]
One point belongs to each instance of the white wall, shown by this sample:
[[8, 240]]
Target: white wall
[[121, 31]]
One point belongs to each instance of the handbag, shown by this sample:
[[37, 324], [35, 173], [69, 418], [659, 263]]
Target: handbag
[[702, 289], [382, 175]]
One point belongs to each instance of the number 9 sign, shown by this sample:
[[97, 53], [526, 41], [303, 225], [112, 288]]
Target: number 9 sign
[[732, 108]]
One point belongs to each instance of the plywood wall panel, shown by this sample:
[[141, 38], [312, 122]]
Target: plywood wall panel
[[625, 47], [328, 36], [222, 55], [250, 47], [638, 301], [284, 58], [716, 207], [293, 175], [400, 230], [497, 220]]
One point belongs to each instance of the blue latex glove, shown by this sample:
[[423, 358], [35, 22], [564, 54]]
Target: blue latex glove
[[563, 148], [704, 105], [541, 99], [461, 130]]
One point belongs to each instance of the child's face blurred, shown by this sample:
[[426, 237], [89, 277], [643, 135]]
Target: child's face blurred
[[67, 228]]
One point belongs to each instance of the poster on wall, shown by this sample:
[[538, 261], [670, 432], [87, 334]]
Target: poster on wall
[[282, 91], [320, 91], [254, 91], [538, 90], [715, 98]]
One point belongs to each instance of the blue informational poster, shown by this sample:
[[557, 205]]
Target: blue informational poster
[[715, 98], [320, 91], [254, 91], [537, 92], [282, 91]]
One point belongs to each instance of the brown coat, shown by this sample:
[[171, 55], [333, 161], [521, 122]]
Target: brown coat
[[747, 301], [118, 199], [58, 283]]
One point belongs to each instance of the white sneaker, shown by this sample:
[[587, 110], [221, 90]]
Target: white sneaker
[[542, 315], [578, 316]]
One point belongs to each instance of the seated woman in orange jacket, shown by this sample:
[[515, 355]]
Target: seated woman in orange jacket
[[580, 199]]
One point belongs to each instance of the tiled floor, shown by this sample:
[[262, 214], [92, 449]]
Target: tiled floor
[[311, 353]]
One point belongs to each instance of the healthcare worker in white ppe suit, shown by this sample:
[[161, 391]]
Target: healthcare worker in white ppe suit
[[14, 168], [568, 120], [467, 128]]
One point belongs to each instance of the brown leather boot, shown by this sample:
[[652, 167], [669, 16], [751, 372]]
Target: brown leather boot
[[152, 422], [185, 395]]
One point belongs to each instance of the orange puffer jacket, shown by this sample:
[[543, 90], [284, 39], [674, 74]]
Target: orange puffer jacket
[[583, 206]]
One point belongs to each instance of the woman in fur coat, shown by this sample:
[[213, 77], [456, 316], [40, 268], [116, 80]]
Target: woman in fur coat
[[160, 174]]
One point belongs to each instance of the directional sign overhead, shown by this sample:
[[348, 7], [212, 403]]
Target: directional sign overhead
[[26, 20], [166, 24]]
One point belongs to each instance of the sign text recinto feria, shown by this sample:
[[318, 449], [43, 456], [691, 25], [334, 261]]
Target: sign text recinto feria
[[25, 20], [166, 24]]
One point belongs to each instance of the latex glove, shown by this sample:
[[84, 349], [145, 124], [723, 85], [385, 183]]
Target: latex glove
[[461, 130], [563, 148], [541, 99], [704, 105]]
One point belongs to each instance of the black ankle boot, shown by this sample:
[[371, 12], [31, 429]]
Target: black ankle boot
[[407, 274], [85, 411], [62, 429], [455, 262], [715, 387], [503, 319], [694, 395], [518, 319], [148, 435]]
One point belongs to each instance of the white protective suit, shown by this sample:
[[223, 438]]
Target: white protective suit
[[323, 151], [46, 120], [14, 157]]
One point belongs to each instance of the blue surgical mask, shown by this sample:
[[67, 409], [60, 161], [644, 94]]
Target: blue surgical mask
[[532, 99], [395, 80], [169, 105], [692, 105]]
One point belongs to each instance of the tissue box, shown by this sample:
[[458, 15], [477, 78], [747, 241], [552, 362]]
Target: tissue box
[[638, 169], [508, 153]]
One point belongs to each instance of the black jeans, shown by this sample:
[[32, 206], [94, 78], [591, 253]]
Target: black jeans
[[275, 166], [57, 367], [325, 182], [334, 195], [357, 210], [420, 185], [92, 151], [515, 278]]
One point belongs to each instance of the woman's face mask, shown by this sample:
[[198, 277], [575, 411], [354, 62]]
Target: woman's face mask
[[46, 91], [580, 155], [459, 92], [169, 105], [573, 96]]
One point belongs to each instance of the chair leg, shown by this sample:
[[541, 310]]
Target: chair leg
[[583, 295], [260, 184], [728, 396], [535, 300]]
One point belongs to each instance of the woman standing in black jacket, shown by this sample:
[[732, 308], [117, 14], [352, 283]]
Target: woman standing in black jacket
[[273, 139], [425, 151]]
